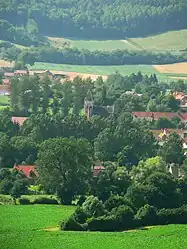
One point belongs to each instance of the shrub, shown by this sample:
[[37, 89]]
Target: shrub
[[116, 201], [71, 225], [93, 206], [45, 200], [81, 200], [24, 201], [103, 223], [125, 216], [80, 215], [146, 216], [173, 216]]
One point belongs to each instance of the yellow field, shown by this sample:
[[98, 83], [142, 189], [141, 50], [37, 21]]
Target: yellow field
[[4, 63], [177, 68]]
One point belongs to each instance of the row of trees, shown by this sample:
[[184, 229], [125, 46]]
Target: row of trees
[[86, 57], [32, 95], [98, 19]]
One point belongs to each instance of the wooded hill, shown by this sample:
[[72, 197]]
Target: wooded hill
[[90, 18]]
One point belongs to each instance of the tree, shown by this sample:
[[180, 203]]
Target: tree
[[64, 165], [24, 149], [144, 169], [172, 150], [163, 191], [5, 151], [112, 180]]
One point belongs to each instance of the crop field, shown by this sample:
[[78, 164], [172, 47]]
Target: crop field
[[169, 41], [174, 40], [177, 68], [95, 71], [4, 63], [92, 45], [98, 70], [33, 227]]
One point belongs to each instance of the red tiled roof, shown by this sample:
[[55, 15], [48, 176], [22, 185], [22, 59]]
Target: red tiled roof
[[26, 169], [9, 74], [97, 170], [157, 115], [19, 120], [6, 81], [21, 72]]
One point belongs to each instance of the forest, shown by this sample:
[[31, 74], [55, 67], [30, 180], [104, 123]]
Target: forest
[[94, 19]]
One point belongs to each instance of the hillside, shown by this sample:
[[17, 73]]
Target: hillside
[[168, 41], [90, 18]]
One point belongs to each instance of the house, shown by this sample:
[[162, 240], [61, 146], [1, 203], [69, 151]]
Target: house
[[156, 115], [132, 93], [6, 81], [19, 120], [9, 74], [163, 134], [21, 73], [182, 98], [28, 170], [97, 170]]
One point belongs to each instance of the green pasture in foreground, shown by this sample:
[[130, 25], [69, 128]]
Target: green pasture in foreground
[[22, 227]]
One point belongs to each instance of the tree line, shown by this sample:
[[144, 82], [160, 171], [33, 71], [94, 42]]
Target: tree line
[[86, 57]]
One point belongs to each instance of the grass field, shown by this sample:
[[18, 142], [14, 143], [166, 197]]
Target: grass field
[[173, 40], [22, 227], [92, 45], [4, 101], [99, 70]]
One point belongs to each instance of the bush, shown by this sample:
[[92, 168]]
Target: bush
[[146, 216], [103, 224], [71, 225], [81, 200], [45, 200], [173, 216], [116, 201], [80, 215], [125, 216], [93, 206], [24, 201]]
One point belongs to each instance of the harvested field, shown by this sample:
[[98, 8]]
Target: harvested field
[[177, 68], [4, 63]]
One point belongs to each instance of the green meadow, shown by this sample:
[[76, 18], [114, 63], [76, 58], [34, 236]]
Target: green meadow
[[34, 227]]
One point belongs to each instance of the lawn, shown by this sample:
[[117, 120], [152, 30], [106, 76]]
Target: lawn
[[173, 40], [22, 228], [4, 100]]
